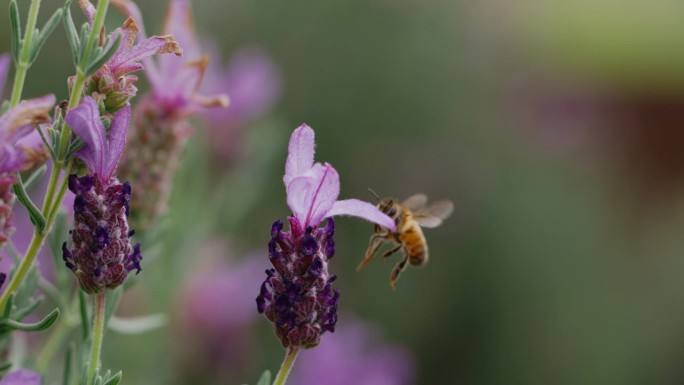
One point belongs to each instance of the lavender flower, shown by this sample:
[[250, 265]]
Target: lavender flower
[[367, 360], [297, 295], [101, 255], [161, 127], [15, 125], [21, 377], [114, 82]]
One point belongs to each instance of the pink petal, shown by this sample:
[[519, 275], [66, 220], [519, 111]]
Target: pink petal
[[20, 120], [85, 121], [361, 209], [21, 377], [299, 193], [325, 195], [145, 49], [117, 138], [300, 155]]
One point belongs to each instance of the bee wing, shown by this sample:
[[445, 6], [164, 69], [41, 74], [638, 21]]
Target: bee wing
[[415, 202], [434, 213]]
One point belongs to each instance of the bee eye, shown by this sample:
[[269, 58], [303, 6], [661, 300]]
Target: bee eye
[[392, 211]]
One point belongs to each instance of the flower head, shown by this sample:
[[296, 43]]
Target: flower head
[[101, 255], [297, 295], [21, 377], [16, 125], [114, 81]]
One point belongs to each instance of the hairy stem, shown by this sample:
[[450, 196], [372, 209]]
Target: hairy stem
[[286, 366], [98, 333]]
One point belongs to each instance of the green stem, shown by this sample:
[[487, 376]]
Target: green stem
[[22, 65], [286, 366], [24, 266], [98, 333], [77, 89]]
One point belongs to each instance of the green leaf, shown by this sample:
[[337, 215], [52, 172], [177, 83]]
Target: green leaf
[[85, 31], [7, 311], [41, 325], [114, 380], [36, 216], [72, 35], [103, 57], [113, 298], [15, 25], [137, 325], [68, 364], [85, 320], [28, 308], [42, 36], [5, 366], [265, 378], [35, 176]]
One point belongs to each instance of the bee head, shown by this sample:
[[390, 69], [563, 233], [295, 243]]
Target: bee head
[[389, 206]]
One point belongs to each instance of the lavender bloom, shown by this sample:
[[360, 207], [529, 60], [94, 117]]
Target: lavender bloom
[[114, 82], [15, 125], [101, 255], [21, 377], [254, 84], [297, 295], [367, 361], [161, 129]]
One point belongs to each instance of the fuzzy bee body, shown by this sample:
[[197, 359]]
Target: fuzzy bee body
[[408, 216]]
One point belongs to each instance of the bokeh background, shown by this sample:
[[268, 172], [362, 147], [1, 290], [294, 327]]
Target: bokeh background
[[557, 129]]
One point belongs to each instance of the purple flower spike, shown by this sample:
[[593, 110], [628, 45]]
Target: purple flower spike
[[21, 377], [99, 153], [101, 256], [313, 188]]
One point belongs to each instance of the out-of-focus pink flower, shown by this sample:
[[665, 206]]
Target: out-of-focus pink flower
[[354, 355], [254, 84], [21, 377], [313, 188], [216, 313]]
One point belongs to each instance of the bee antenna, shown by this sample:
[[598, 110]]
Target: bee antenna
[[374, 193]]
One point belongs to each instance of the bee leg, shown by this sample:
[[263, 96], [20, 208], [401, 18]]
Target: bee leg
[[398, 269], [387, 253], [376, 241]]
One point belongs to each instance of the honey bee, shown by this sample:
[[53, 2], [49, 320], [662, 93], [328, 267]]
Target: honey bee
[[409, 216]]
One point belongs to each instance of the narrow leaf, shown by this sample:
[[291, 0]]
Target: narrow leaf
[[28, 308], [15, 25], [114, 380], [41, 325], [36, 216], [5, 366], [265, 378], [113, 299], [85, 320], [100, 60], [7, 311], [72, 35], [68, 364], [34, 177], [42, 37], [137, 325]]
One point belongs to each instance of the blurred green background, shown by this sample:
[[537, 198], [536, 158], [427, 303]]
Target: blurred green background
[[554, 126]]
